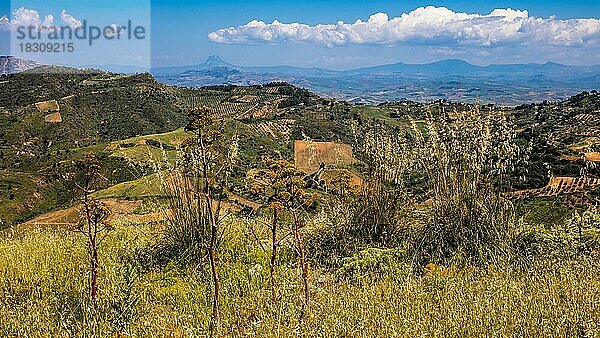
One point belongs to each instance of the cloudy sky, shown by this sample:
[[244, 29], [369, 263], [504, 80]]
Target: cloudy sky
[[333, 34]]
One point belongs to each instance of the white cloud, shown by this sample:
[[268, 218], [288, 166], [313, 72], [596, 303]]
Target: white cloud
[[509, 14], [115, 30], [446, 51], [69, 20], [424, 25], [48, 21], [25, 17]]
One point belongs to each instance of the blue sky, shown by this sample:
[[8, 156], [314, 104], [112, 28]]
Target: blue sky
[[180, 31]]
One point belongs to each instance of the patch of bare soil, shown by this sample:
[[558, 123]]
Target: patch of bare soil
[[47, 106], [308, 156], [53, 118], [69, 217]]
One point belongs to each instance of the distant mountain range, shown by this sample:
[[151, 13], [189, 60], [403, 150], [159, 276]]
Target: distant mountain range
[[445, 67], [453, 79]]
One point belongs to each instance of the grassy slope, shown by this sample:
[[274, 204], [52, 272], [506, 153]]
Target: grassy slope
[[145, 187], [115, 108], [43, 278], [95, 109]]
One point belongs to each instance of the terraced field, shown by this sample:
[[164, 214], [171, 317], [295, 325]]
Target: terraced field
[[277, 129], [560, 186], [236, 102]]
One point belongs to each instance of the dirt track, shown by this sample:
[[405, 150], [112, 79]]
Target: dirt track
[[120, 210]]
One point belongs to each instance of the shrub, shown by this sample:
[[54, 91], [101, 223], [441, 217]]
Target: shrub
[[578, 235], [371, 264], [92, 217], [282, 186], [373, 214], [465, 161]]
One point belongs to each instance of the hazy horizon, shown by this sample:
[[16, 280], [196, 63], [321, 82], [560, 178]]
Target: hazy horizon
[[326, 68]]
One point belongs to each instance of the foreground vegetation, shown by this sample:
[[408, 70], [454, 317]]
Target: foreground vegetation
[[370, 261], [43, 285]]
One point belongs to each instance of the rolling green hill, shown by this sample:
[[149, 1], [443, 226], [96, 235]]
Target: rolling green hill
[[130, 122]]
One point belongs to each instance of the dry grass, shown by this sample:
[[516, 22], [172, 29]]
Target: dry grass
[[47, 106], [53, 118], [43, 281]]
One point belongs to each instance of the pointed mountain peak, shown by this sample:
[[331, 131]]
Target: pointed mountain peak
[[214, 60]]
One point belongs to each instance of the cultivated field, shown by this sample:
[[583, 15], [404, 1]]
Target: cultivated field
[[53, 118], [47, 106], [308, 155], [560, 186]]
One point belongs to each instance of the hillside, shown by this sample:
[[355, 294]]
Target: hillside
[[11, 65], [47, 120], [42, 116]]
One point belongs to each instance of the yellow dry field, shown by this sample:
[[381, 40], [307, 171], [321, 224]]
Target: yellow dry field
[[70, 216], [309, 155], [124, 211], [47, 106], [53, 118], [593, 157], [570, 157]]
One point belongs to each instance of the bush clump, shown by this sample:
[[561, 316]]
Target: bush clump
[[466, 161], [373, 263]]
